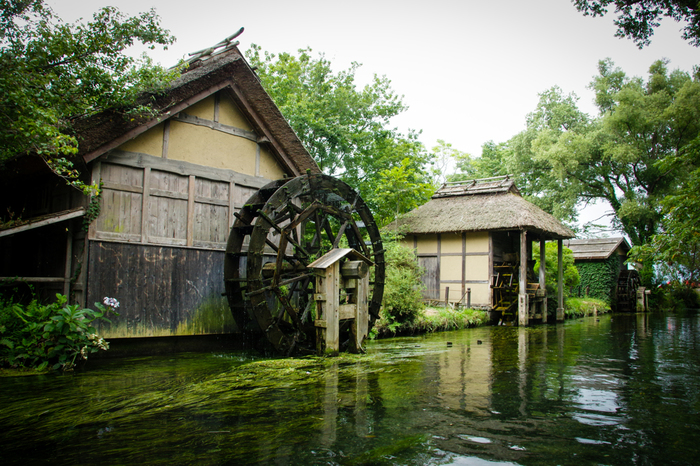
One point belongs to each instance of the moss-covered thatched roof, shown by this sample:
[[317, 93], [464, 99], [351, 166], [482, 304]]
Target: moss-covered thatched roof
[[481, 205]]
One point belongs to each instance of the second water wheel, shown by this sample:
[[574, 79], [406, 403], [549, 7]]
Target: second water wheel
[[282, 229]]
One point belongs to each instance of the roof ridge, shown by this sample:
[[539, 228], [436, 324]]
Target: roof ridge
[[223, 46]]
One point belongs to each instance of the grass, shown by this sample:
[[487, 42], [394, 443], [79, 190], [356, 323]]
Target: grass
[[432, 320], [582, 307]]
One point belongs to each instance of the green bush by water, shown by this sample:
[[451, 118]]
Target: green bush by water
[[582, 307], [53, 336], [432, 320], [403, 298]]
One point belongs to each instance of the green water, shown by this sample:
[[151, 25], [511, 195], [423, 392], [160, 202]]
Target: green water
[[614, 390]]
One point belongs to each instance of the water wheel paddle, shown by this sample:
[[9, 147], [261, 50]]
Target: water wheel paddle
[[627, 284], [281, 229]]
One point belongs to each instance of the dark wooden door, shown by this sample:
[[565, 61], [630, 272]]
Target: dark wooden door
[[431, 276]]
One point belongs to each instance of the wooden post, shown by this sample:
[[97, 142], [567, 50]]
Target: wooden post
[[469, 298], [543, 277], [523, 305], [69, 264], [327, 302], [560, 281], [447, 296]]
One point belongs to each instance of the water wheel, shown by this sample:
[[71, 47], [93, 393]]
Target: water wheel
[[281, 229], [627, 283]]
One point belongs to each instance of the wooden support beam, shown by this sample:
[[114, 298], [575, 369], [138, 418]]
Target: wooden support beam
[[523, 306], [543, 277], [560, 281]]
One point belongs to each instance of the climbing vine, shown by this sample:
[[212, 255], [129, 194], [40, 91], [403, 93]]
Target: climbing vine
[[598, 279], [93, 208]]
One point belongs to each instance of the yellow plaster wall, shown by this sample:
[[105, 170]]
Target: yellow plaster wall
[[480, 293], [204, 146], [451, 243], [450, 268], [478, 242], [230, 115], [149, 142], [202, 109], [269, 167], [476, 268], [427, 244]]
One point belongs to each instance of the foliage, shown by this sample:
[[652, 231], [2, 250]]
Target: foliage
[[598, 279], [403, 288], [625, 157], [675, 250], [52, 73], [637, 19], [433, 320], [676, 297], [54, 335], [347, 130], [582, 307], [491, 163], [571, 275]]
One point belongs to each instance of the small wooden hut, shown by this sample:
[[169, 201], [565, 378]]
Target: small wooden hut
[[171, 187], [599, 262], [474, 240]]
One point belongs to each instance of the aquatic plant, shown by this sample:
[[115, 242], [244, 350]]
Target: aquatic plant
[[52, 336]]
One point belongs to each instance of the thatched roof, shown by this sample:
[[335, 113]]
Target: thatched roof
[[488, 205], [597, 248], [220, 68]]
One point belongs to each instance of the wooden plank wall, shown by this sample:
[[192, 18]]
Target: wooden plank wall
[[162, 291], [160, 203], [158, 244]]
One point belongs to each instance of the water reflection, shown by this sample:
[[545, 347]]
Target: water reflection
[[607, 390]]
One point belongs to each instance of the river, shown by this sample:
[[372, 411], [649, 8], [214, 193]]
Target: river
[[607, 390]]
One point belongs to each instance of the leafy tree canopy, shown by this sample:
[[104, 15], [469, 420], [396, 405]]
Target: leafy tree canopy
[[628, 157], [675, 249], [348, 130], [52, 73], [637, 19]]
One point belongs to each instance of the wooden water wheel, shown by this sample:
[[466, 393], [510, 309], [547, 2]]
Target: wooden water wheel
[[627, 283], [283, 228]]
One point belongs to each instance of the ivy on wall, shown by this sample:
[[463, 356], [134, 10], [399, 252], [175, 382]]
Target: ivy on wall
[[598, 279]]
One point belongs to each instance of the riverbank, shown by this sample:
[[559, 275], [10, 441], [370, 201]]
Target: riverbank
[[443, 319]]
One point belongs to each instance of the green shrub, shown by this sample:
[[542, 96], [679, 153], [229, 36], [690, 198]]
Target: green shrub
[[403, 298], [49, 336]]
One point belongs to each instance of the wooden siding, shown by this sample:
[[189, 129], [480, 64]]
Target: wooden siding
[[162, 290], [160, 203]]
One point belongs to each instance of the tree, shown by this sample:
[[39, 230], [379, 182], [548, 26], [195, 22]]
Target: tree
[[675, 250], [52, 73], [565, 157], [637, 19], [347, 130]]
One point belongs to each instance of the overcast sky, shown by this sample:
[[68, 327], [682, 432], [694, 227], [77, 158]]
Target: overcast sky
[[469, 71]]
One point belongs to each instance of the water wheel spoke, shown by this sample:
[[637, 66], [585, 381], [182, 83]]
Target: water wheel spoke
[[285, 225]]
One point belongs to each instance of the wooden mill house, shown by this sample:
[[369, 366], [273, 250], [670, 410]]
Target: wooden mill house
[[474, 241], [171, 187]]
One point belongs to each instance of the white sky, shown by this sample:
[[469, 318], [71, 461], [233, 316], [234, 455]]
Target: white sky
[[470, 71]]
